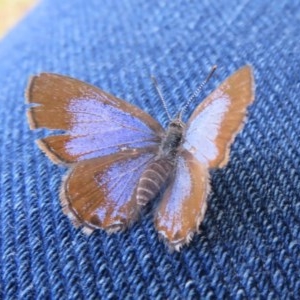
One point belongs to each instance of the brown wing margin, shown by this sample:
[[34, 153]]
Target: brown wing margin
[[52, 96], [183, 206], [235, 94], [101, 192]]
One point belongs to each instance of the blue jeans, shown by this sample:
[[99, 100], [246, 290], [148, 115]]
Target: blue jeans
[[249, 245]]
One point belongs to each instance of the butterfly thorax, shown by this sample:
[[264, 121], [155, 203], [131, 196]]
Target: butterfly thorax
[[172, 140], [157, 173]]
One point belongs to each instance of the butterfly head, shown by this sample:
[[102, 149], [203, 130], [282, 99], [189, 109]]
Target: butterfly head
[[176, 126], [177, 122]]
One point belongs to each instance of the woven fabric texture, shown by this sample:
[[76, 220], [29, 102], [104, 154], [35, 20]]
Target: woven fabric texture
[[249, 247]]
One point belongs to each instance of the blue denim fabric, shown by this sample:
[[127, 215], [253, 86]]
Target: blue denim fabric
[[249, 247]]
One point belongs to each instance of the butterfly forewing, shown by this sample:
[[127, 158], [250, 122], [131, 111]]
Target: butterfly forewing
[[101, 192], [184, 202], [214, 124], [95, 123]]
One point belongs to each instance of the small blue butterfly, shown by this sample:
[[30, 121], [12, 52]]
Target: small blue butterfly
[[119, 157]]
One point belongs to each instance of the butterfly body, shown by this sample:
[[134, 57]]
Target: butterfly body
[[120, 158], [157, 173], [172, 140]]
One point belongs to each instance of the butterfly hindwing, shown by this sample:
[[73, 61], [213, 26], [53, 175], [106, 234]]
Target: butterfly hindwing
[[183, 205], [95, 123], [101, 192], [214, 124]]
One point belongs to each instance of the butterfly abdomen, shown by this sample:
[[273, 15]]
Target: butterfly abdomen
[[157, 173], [152, 180]]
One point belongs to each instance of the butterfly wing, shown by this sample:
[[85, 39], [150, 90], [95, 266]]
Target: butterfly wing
[[214, 124], [209, 133], [183, 206], [101, 192], [95, 123]]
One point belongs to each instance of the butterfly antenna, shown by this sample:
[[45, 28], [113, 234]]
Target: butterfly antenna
[[161, 96], [198, 90]]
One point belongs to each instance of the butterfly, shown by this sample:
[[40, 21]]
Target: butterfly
[[120, 158]]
